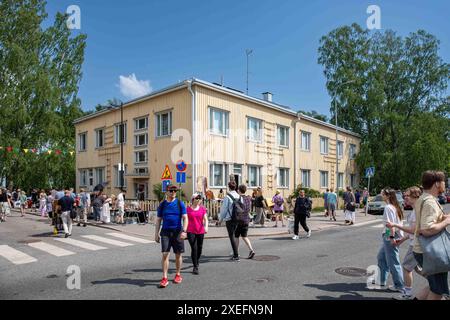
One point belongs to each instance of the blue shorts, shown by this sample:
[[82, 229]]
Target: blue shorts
[[438, 282], [171, 239]]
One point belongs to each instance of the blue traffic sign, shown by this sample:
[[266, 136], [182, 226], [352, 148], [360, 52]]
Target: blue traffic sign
[[181, 177], [181, 166], [165, 184], [370, 172]]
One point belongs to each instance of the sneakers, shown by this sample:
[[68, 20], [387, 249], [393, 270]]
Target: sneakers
[[66, 235], [295, 237], [404, 296], [308, 234], [195, 270], [177, 279], [84, 224], [251, 254], [236, 259], [164, 282], [394, 289]]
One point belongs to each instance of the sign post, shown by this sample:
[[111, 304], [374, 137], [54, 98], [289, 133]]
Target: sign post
[[370, 172], [181, 174], [166, 178]]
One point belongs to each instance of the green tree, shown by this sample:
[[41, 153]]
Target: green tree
[[314, 114], [40, 71], [394, 97]]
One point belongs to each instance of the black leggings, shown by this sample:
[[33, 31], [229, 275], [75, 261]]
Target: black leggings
[[231, 228], [196, 242], [302, 219]]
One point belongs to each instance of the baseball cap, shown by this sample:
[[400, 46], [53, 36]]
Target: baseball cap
[[172, 187]]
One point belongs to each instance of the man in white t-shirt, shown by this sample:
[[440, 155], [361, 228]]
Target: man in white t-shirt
[[121, 207]]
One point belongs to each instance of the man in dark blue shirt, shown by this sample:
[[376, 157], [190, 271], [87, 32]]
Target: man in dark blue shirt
[[303, 206], [66, 204], [172, 212]]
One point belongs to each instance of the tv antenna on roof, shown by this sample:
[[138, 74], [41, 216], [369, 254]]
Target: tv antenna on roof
[[248, 52]]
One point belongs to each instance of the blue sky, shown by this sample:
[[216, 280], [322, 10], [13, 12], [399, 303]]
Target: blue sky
[[165, 41]]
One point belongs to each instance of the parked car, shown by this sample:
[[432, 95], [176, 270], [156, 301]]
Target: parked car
[[442, 199], [448, 197], [377, 204]]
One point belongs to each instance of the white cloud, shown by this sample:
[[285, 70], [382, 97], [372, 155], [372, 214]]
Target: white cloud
[[132, 88]]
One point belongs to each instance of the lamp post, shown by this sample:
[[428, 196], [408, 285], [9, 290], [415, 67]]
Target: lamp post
[[121, 137]]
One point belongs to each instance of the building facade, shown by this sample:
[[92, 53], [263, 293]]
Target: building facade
[[222, 134]]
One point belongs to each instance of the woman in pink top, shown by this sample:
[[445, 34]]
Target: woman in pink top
[[197, 227]]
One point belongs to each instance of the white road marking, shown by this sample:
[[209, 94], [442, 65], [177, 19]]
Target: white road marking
[[130, 238], [108, 241], [378, 226], [81, 244], [367, 222], [15, 256], [49, 248]]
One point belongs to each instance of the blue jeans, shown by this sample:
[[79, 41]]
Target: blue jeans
[[97, 212], [389, 261]]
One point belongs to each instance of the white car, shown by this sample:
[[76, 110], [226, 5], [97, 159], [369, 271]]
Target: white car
[[377, 205]]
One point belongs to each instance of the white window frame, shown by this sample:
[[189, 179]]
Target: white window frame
[[340, 180], [224, 117], [325, 152], [258, 176], [308, 140], [117, 133], [225, 170], [259, 130], [83, 177], [81, 147], [158, 126], [352, 147], [117, 177], [136, 139], [306, 185], [322, 173], [283, 172], [340, 150], [97, 140], [279, 128], [136, 122], [96, 175], [136, 157]]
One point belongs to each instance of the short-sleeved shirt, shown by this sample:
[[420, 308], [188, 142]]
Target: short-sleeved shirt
[[411, 220], [278, 202], [171, 215], [66, 203], [325, 197], [195, 220], [332, 198], [431, 213], [390, 215]]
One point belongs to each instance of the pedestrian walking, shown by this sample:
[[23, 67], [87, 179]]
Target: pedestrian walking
[[243, 221], [302, 210], [83, 207], [120, 207], [278, 208], [232, 200], [98, 205], [357, 198], [67, 204], [34, 199], [388, 255], [325, 200], [349, 207], [409, 263], [172, 213], [260, 206], [5, 205], [23, 202], [197, 228], [332, 204], [431, 220], [106, 209], [43, 204], [49, 205], [365, 197]]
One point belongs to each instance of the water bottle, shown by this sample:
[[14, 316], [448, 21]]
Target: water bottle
[[388, 232]]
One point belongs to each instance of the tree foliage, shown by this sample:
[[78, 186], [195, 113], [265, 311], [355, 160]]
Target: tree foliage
[[390, 90], [40, 71]]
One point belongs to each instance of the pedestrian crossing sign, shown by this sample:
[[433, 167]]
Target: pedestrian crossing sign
[[167, 175], [370, 172]]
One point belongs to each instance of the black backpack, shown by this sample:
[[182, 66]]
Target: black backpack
[[238, 212]]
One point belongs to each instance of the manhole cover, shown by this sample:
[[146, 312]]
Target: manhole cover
[[28, 241], [266, 258], [52, 276], [351, 272]]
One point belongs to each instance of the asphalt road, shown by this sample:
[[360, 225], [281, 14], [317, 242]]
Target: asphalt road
[[303, 269]]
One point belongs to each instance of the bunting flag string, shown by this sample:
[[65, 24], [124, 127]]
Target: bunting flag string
[[58, 152]]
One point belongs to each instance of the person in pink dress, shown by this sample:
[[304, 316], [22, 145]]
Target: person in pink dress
[[197, 228]]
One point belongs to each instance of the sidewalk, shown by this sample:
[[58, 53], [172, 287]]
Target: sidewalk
[[316, 223]]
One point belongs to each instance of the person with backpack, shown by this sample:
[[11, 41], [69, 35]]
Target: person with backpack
[[232, 206], [172, 213], [197, 228], [243, 221], [302, 210], [278, 208]]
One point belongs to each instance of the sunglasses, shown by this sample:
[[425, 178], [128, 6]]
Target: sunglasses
[[172, 191], [198, 198]]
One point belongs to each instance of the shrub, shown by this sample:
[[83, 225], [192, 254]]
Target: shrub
[[308, 192], [157, 191]]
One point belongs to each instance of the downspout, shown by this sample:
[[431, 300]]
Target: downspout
[[296, 148], [194, 132]]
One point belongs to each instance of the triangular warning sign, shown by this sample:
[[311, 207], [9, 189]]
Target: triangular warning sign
[[166, 174]]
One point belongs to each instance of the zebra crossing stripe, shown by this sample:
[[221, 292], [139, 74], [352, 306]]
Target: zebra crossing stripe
[[51, 249], [108, 241], [130, 238], [378, 226], [81, 244], [15, 256]]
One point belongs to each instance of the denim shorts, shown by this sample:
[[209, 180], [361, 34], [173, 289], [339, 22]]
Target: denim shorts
[[171, 239], [438, 282]]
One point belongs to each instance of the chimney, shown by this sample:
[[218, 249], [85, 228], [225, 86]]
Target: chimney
[[267, 96]]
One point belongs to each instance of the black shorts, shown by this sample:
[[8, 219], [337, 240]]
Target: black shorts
[[171, 239], [278, 211], [438, 282], [241, 230]]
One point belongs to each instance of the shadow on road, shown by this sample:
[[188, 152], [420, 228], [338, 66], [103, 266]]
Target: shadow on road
[[350, 291], [134, 282]]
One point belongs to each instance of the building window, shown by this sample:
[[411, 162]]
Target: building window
[[306, 178], [283, 136], [340, 149], [254, 176], [218, 122], [324, 179], [323, 145], [120, 133], [353, 180], [352, 151], [117, 177], [164, 124], [99, 138], [91, 177], [306, 141], [83, 178], [254, 130], [141, 124], [141, 140], [82, 140], [218, 174], [140, 156], [340, 180], [141, 188], [141, 171], [283, 178], [99, 175]]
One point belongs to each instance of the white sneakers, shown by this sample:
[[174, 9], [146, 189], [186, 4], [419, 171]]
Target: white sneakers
[[308, 234], [295, 238]]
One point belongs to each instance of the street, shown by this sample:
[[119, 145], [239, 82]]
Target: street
[[118, 266]]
